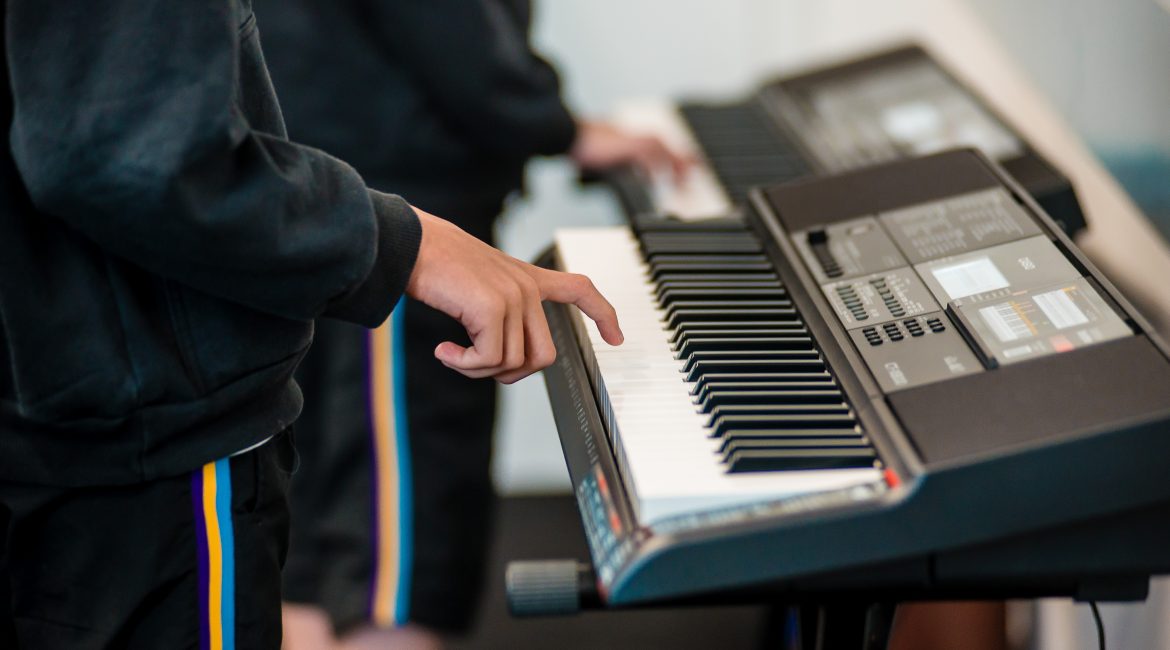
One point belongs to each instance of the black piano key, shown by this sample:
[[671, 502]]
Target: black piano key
[[654, 252], [730, 343], [680, 316], [752, 281], [714, 378], [769, 296], [661, 267], [791, 460], [713, 261], [775, 438], [772, 287], [723, 425], [737, 144], [731, 304], [655, 223], [673, 291], [658, 244], [711, 329], [697, 229], [751, 366], [782, 411], [711, 388], [718, 277], [764, 383], [728, 139], [687, 235], [745, 168], [717, 356], [733, 141], [716, 398], [744, 147], [661, 236], [731, 445]]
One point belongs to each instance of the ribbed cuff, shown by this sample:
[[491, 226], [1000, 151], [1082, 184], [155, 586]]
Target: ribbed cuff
[[399, 236], [561, 133]]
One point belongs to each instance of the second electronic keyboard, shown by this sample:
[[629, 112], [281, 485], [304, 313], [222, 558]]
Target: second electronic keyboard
[[841, 116]]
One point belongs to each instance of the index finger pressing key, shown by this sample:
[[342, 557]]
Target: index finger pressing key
[[575, 289]]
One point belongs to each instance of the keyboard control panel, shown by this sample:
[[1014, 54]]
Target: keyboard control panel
[[947, 288]]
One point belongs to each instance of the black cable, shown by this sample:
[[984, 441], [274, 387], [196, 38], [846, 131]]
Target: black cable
[[1100, 625]]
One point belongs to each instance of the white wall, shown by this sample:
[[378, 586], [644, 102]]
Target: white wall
[[1106, 65]]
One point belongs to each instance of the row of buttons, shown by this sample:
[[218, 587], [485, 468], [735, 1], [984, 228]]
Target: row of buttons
[[892, 303], [894, 333], [848, 295]]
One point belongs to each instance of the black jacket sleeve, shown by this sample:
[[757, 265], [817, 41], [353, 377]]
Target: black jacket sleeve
[[128, 126], [474, 61]]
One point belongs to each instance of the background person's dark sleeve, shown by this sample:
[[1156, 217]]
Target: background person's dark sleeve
[[474, 61], [128, 127]]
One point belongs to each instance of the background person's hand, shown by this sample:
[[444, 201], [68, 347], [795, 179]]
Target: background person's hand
[[601, 146], [497, 298]]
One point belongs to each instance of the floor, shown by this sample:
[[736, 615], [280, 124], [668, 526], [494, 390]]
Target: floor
[[549, 527]]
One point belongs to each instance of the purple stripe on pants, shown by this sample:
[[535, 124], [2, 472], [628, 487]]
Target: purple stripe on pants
[[202, 559]]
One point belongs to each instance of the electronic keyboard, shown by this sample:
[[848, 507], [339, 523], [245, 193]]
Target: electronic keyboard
[[898, 382], [896, 103]]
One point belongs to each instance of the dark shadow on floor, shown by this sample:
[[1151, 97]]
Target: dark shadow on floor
[[549, 527]]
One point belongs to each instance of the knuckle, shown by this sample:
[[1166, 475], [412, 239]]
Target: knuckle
[[493, 358], [495, 309], [529, 289], [513, 293], [583, 282], [544, 357]]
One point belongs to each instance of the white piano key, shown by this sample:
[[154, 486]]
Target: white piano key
[[701, 196]]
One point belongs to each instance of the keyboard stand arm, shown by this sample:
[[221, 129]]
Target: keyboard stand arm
[[836, 626]]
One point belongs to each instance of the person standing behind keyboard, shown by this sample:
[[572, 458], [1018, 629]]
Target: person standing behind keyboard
[[392, 506]]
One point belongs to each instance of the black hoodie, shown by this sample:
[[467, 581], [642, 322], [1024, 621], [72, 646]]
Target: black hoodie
[[441, 100], [163, 247]]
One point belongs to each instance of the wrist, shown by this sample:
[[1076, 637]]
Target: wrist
[[427, 226], [395, 255]]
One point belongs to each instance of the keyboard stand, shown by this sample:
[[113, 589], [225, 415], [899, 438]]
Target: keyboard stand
[[838, 626]]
